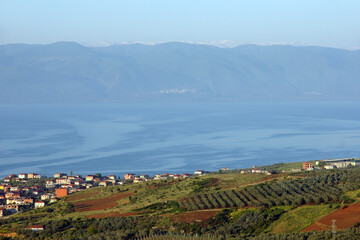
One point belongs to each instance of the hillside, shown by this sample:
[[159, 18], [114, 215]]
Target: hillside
[[225, 205], [69, 72]]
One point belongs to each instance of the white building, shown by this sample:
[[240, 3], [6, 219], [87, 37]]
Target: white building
[[22, 175], [39, 204]]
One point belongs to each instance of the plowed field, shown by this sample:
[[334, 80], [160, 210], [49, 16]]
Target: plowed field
[[80, 196], [99, 204], [201, 215], [345, 218]]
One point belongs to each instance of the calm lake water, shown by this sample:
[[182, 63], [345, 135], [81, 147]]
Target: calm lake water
[[157, 138]]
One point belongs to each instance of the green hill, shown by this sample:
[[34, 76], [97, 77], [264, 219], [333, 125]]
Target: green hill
[[217, 206]]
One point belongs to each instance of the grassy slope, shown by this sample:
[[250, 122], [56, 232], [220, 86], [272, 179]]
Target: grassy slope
[[299, 218], [159, 191], [353, 194], [147, 193]]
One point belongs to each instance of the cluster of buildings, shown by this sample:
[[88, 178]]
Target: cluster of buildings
[[77, 182], [256, 170], [14, 197], [131, 177], [331, 163]]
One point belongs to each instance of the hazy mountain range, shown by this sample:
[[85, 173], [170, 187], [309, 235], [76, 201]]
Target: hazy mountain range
[[67, 71]]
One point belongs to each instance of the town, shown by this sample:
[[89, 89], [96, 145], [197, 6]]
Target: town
[[24, 191]]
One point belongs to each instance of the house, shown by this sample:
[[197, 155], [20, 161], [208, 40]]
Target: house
[[225, 169], [51, 181], [54, 200], [35, 228], [33, 175], [186, 175], [307, 165], [9, 195], [16, 201], [144, 176], [177, 176], [28, 201], [129, 176], [160, 177], [138, 179], [16, 195], [78, 182], [63, 181], [45, 196], [329, 166], [296, 170], [199, 172], [112, 177], [39, 204], [7, 179], [260, 171], [104, 183], [89, 178], [60, 175], [22, 176], [35, 192], [50, 184], [256, 170], [14, 188], [61, 192], [12, 176], [12, 208], [2, 212]]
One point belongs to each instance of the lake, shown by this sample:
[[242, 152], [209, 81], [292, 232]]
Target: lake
[[115, 138]]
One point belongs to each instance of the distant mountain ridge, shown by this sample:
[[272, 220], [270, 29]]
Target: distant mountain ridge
[[70, 72]]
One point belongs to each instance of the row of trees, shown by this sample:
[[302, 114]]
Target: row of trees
[[291, 192]]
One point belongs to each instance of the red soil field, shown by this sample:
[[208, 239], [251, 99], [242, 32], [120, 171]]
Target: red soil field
[[200, 215], [112, 214], [99, 204], [81, 196], [345, 217]]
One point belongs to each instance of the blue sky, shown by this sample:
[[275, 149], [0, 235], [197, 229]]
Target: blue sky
[[332, 23]]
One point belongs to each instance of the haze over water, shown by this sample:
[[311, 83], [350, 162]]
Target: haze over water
[[115, 138]]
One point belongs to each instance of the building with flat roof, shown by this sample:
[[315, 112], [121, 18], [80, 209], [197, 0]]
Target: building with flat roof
[[61, 192], [307, 165]]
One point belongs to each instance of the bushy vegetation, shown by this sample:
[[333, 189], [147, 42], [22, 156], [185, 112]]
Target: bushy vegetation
[[292, 192], [248, 212]]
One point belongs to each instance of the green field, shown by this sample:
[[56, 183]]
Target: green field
[[299, 218], [243, 205]]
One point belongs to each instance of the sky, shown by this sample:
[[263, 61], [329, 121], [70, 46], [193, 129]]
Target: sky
[[331, 23]]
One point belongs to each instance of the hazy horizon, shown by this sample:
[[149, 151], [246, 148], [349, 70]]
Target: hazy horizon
[[94, 23], [219, 44]]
